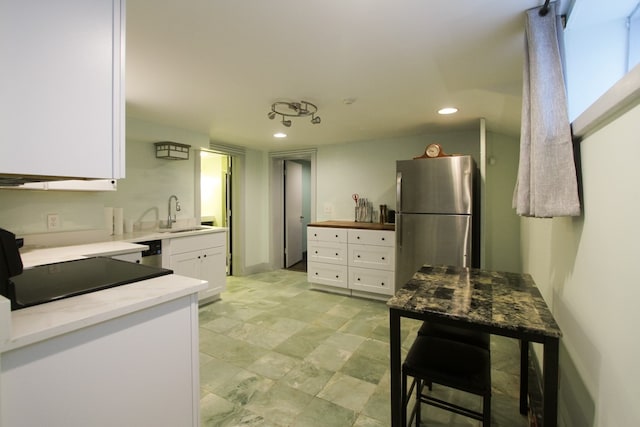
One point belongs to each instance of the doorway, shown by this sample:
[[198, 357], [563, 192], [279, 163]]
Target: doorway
[[297, 210], [292, 209], [215, 195]]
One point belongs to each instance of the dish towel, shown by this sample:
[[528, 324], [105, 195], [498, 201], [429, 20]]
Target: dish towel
[[547, 183]]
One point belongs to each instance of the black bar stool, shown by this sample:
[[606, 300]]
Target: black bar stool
[[467, 336], [449, 363]]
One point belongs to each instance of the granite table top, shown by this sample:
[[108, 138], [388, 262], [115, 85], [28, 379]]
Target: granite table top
[[499, 300]]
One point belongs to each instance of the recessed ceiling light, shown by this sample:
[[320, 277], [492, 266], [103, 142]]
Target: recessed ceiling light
[[280, 135], [448, 110]]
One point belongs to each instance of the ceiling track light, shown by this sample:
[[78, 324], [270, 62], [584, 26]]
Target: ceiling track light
[[294, 110]]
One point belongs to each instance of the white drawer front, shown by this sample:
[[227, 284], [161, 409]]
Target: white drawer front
[[327, 274], [327, 234], [330, 252], [197, 242], [367, 256], [372, 237], [377, 281]]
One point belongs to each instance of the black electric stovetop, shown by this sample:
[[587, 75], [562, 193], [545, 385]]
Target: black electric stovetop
[[50, 282]]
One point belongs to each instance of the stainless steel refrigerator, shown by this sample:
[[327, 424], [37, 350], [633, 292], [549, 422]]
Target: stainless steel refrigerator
[[436, 218]]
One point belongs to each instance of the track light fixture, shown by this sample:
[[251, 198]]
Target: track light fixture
[[293, 109]]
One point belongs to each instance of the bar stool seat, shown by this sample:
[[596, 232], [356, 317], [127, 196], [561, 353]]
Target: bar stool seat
[[449, 363], [463, 335]]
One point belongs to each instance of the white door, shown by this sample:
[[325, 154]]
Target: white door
[[293, 213]]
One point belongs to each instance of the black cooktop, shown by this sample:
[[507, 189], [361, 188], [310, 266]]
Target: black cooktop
[[51, 282]]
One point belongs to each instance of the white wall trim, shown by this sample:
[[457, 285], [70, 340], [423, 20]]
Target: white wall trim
[[620, 98]]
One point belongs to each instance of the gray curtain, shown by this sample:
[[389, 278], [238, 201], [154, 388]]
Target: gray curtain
[[547, 182]]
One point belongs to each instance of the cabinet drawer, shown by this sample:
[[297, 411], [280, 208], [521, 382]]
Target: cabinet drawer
[[377, 281], [329, 252], [372, 237], [327, 234], [195, 243], [368, 256], [327, 274]]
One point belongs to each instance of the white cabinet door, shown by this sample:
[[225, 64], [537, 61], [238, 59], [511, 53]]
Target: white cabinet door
[[61, 109], [191, 256], [213, 269], [186, 264]]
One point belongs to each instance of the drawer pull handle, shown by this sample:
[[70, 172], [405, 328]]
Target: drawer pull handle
[[336, 236], [358, 279], [382, 284], [337, 277], [383, 258], [316, 252], [316, 273], [383, 239], [358, 256], [358, 237]]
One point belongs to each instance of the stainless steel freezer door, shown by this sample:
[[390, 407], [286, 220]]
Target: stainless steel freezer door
[[430, 239], [440, 185]]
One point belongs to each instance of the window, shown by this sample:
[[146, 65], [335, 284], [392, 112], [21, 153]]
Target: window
[[602, 43]]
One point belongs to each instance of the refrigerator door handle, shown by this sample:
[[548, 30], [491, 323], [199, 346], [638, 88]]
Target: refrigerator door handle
[[399, 231], [399, 191]]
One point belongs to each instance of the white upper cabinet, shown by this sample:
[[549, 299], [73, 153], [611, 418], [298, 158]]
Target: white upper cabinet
[[61, 80]]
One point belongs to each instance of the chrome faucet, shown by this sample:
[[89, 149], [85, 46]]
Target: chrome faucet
[[171, 220]]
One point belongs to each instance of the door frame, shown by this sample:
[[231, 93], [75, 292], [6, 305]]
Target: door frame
[[235, 234], [276, 191], [293, 212]]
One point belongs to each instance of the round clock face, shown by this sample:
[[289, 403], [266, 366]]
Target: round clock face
[[433, 150]]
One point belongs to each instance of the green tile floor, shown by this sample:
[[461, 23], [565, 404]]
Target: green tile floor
[[275, 353]]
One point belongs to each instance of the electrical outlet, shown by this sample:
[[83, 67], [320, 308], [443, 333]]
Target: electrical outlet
[[53, 221]]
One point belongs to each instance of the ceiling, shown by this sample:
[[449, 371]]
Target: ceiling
[[216, 66]]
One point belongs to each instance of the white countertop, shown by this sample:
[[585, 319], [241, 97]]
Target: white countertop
[[116, 245], [33, 324], [29, 325], [176, 232], [39, 256]]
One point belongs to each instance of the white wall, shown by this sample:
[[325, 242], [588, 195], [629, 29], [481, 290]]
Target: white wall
[[255, 224], [369, 169], [586, 270], [502, 225]]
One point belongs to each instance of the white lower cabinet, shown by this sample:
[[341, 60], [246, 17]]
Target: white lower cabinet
[[137, 369], [357, 260], [201, 257]]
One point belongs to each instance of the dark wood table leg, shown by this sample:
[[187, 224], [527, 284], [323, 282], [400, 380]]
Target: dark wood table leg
[[550, 384], [395, 367], [524, 376]]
